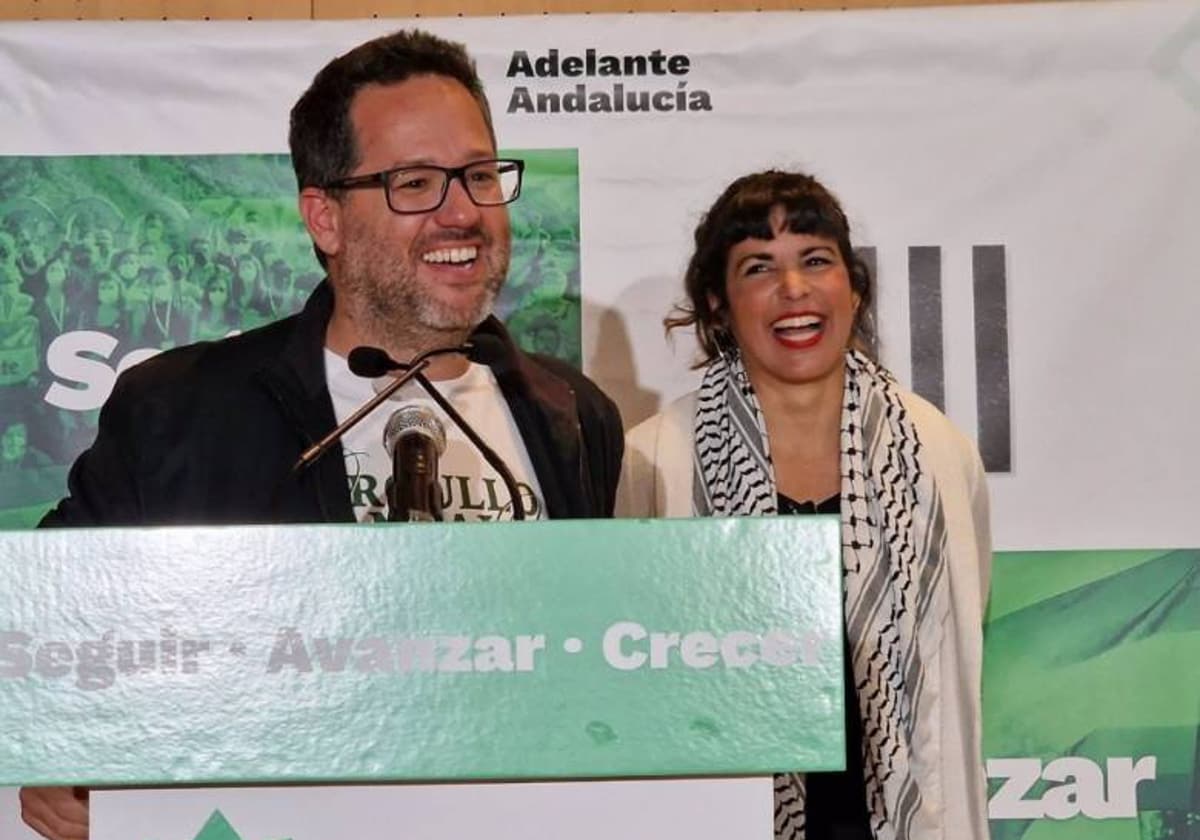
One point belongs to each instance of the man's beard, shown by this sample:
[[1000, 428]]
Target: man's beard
[[394, 308]]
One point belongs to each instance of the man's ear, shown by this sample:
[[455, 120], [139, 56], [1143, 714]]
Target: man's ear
[[322, 215]]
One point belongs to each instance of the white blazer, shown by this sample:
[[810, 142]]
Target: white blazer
[[656, 481]]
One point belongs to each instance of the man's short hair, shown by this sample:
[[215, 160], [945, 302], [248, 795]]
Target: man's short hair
[[321, 136]]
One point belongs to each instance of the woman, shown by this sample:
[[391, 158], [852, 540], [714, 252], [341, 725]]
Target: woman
[[794, 416], [136, 294], [108, 311], [55, 301], [214, 320]]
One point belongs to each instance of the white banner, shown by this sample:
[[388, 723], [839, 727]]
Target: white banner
[[1026, 177], [1049, 148]]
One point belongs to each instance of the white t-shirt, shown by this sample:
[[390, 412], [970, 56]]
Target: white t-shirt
[[471, 490]]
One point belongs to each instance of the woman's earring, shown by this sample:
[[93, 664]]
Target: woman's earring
[[719, 339], [727, 348], [730, 353]]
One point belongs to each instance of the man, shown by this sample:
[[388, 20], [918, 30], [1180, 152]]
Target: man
[[403, 197], [15, 451]]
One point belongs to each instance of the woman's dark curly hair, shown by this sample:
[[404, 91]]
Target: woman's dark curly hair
[[743, 212]]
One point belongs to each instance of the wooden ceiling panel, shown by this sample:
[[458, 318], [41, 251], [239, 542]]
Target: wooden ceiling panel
[[329, 9]]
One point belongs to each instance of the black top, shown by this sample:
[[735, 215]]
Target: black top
[[835, 804]]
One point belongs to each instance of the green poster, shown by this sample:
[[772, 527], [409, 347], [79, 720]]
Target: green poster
[[106, 260], [1092, 696]]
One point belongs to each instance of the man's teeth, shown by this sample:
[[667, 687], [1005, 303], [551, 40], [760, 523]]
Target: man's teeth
[[451, 255], [799, 322]]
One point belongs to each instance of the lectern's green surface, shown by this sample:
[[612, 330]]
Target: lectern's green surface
[[518, 650]]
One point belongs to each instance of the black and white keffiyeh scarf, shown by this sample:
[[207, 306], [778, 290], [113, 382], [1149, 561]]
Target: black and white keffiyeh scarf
[[893, 556]]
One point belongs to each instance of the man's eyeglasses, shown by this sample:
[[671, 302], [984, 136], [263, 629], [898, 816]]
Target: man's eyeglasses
[[421, 189]]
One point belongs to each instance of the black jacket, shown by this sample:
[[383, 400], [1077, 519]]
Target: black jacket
[[208, 433]]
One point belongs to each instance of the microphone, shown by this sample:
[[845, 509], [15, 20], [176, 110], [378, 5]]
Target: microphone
[[372, 362], [486, 350], [489, 454], [415, 439], [373, 357]]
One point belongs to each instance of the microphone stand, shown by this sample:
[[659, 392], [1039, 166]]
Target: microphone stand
[[318, 449], [489, 454], [475, 350]]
